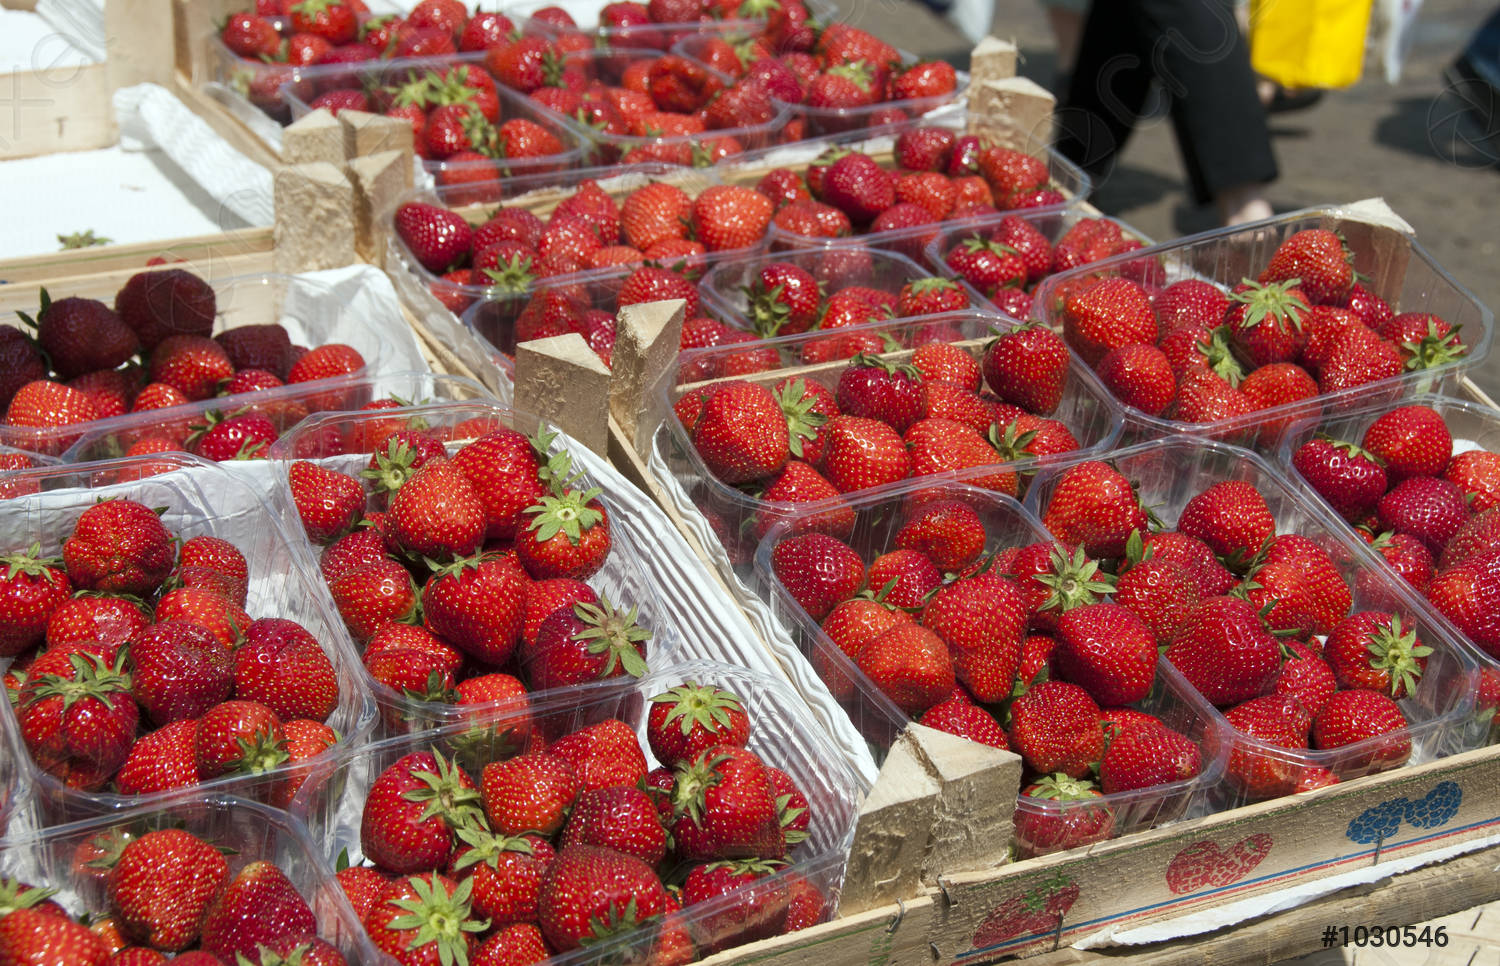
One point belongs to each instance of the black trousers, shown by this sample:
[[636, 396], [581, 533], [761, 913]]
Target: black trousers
[[1195, 50]]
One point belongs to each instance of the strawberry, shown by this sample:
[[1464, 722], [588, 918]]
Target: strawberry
[[424, 919], [105, 621], [476, 604], [158, 395], [653, 213], [859, 187], [590, 894], [436, 237], [1189, 303], [1406, 555], [258, 907], [437, 513], [982, 621], [1159, 591], [1476, 536], [1371, 650], [1055, 727], [30, 935], [1145, 756], [506, 871], [46, 405], [118, 546], [328, 502], [990, 266], [300, 950], [1297, 587], [1426, 507], [1028, 367], [948, 532], [1358, 357], [1093, 506], [1231, 517], [328, 361], [1466, 593], [930, 296], [81, 335], [332, 20], [76, 717], [236, 436], [239, 737], [216, 564], [1265, 321], [221, 617], [1360, 715], [372, 595], [862, 453], [1225, 651], [622, 818], [1344, 474], [1317, 260], [910, 665], [725, 805], [567, 536], [1108, 651], [924, 148], [1043, 828], [517, 943], [587, 643], [687, 719], [282, 666], [179, 670], [741, 433], [165, 303], [818, 571], [1410, 441], [251, 36], [531, 792], [876, 389], [959, 715], [1477, 473], [728, 217], [1139, 376], [163, 885], [31, 591], [194, 365], [1280, 721], [1107, 314], [905, 578], [413, 810]]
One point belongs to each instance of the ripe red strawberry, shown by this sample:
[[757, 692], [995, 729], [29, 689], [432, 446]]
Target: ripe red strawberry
[[589, 894], [1372, 650], [214, 564], [239, 737], [81, 335], [728, 217], [568, 536], [588, 642], [742, 433], [1297, 587], [31, 591], [1160, 591], [436, 237], [118, 546], [412, 811], [929, 296], [1145, 756], [1265, 322], [424, 919], [475, 603], [1306, 676], [1358, 357], [1231, 517], [1093, 506], [1106, 315], [1475, 537], [982, 621], [332, 20], [1406, 555], [818, 571], [503, 468], [1057, 812], [725, 807], [251, 36], [1426, 507], [221, 617], [959, 715], [531, 792], [1028, 367], [1410, 441], [1189, 303], [30, 935], [1477, 473], [904, 577], [236, 436], [990, 266], [621, 817], [689, 718], [103, 621], [1317, 258], [506, 872], [162, 886], [949, 532], [652, 283], [327, 361], [1140, 376], [46, 405], [1108, 651], [1279, 721], [20, 362], [1225, 651], [1343, 474], [259, 906], [282, 666], [437, 513], [165, 303], [76, 718], [1195, 557], [1359, 715], [328, 502], [372, 595], [924, 148], [873, 388], [194, 365], [910, 665], [1056, 727], [179, 670], [863, 453]]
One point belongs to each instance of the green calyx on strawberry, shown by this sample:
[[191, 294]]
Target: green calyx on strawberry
[[620, 922], [213, 417], [512, 277], [1434, 349], [437, 689], [1220, 358], [802, 421], [859, 72], [15, 894], [259, 753], [1011, 443], [608, 631], [1074, 581], [1397, 651], [488, 847], [1062, 788], [754, 10], [975, 244], [93, 679], [788, 816], [567, 513], [32, 564], [392, 468], [694, 779], [296, 956], [1353, 449], [1273, 301], [416, 92], [554, 469], [693, 705], [446, 795], [440, 918]]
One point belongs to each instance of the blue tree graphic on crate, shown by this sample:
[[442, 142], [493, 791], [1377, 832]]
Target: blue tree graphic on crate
[[1383, 821]]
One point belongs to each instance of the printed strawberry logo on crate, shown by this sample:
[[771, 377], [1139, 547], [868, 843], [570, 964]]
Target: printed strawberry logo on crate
[[680, 814], [1321, 668], [473, 565], [658, 215], [209, 879], [1267, 324], [1420, 484], [164, 638], [756, 433], [952, 606]]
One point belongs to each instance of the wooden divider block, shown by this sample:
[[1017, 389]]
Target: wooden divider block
[[379, 180], [312, 138], [562, 381], [647, 336], [139, 50], [972, 827], [892, 833], [1015, 112], [314, 218], [993, 59], [368, 134]]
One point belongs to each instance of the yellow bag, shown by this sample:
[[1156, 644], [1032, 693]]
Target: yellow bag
[[1309, 43]]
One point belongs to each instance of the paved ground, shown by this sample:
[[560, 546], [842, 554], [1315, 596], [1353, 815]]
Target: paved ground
[[1409, 143]]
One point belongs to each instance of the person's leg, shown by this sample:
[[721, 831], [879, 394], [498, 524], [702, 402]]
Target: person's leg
[[1482, 55], [1202, 60], [1109, 85]]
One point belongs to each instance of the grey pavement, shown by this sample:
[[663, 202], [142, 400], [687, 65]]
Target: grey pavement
[[1409, 143]]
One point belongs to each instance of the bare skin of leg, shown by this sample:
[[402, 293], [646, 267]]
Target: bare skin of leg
[[1067, 30], [1243, 203]]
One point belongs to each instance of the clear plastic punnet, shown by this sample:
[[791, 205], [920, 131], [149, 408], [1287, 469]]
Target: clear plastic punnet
[[1395, 266], [1167, 474], [198, 498], [782, 733], [244, 831]]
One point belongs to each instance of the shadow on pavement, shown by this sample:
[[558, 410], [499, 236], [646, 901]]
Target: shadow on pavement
[[1443, 128]]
